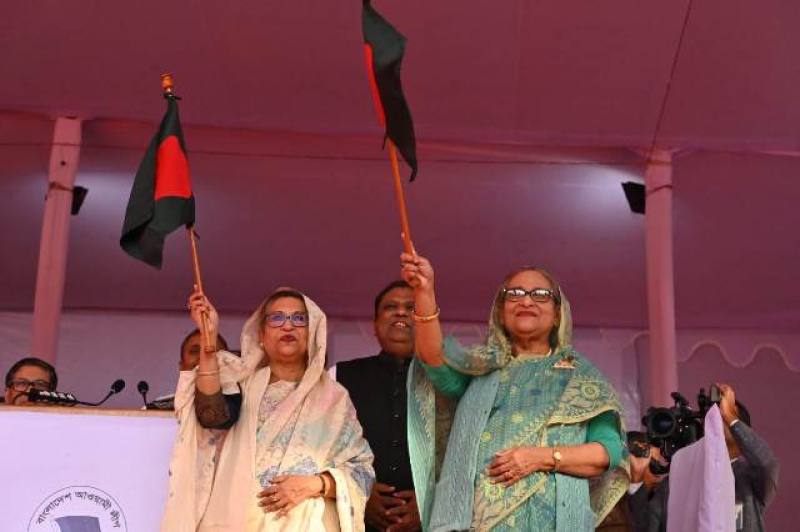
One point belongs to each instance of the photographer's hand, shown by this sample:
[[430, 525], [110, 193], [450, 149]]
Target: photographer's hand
[[651, 479], [638, 466]]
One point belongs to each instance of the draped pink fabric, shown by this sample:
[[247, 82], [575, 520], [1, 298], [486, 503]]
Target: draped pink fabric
[[701, 489]]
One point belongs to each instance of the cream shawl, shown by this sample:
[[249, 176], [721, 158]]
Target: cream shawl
[[325, 436]]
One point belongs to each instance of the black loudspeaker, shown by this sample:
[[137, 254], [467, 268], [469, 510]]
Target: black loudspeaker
[[78, 195], [635, 194]]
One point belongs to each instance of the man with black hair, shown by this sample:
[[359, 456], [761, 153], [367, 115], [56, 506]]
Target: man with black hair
[[190, 349], [377, 387], [190, 358], [26, 375], [755, 471]]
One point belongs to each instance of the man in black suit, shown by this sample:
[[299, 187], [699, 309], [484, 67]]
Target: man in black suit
[[377, 386]]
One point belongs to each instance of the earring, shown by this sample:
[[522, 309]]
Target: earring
[[261, 344]]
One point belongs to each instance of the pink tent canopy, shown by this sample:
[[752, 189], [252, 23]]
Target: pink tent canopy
[[529, 116]]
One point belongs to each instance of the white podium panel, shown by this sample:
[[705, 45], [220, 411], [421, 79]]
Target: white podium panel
[[83, 470]]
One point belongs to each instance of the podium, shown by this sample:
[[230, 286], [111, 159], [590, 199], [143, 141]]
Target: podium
[[84, 469]]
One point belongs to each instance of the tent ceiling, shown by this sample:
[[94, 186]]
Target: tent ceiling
[[528, 116]]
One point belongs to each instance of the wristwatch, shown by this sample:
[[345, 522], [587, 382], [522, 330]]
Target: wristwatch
[[556, 458]]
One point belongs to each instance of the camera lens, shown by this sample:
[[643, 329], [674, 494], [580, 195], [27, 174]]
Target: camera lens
[[661, 423]]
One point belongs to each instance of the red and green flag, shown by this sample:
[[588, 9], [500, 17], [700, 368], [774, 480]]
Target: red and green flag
[[161, 199], [385, 46]]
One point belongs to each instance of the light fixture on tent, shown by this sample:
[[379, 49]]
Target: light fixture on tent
[[78, 195], [635, 194]]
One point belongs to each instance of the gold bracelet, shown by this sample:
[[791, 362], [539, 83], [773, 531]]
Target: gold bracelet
[[207, 373], [423, 319], [324, 485]]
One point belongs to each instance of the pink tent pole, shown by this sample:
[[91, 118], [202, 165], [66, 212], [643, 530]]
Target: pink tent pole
[[663, 365], [64, 157]]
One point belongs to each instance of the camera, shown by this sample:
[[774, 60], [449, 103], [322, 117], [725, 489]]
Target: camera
[[671, 429]]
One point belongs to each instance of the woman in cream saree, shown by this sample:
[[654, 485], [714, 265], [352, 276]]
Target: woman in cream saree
[[289, 438]]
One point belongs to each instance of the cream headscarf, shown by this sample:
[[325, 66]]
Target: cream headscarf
[[325, 436]]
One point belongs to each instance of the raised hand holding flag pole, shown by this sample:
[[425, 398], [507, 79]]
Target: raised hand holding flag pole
[[384, 47], [207, 346], [161, 198]]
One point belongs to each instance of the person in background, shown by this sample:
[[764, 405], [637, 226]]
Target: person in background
[[28, 374], [377, 386], [190, 358], [755, 471], [191, 347], [641, 452]]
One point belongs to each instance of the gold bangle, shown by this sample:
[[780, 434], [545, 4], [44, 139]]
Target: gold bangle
[[423, 319], [324, 485], [207, 373]]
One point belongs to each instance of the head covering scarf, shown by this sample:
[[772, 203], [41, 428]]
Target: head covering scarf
[[318, 419], [498, 351], [443, 433]]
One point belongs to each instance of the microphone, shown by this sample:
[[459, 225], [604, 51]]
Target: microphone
[[57, 398], [117, 387], [62, 398], [143, 388]]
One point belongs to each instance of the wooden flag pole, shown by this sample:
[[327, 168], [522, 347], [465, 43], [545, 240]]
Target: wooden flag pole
[[401, 198], [207, 347], [166, 86]]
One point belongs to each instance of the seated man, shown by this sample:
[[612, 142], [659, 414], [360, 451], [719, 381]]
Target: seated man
[[26, 375], [190, 358], [377, 387], [755, 472]]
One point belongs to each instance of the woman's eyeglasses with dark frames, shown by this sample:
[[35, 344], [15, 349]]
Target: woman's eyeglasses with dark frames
[[278, 319], [538, 295]]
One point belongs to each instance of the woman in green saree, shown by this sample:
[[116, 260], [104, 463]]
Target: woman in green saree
[[509, 434]]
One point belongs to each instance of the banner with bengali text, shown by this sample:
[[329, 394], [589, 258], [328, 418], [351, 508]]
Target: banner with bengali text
[[84, 470]]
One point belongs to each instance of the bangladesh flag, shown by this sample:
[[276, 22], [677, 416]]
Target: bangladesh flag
[[161, 199], [385, 46]]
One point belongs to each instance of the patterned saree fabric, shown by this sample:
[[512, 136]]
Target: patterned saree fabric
[[283, 429], [509, 401]]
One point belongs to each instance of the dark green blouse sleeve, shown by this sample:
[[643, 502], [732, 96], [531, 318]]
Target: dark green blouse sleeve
[[602, 429]]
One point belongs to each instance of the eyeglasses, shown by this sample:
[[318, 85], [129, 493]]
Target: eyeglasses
[[22, 385], [279, 318], [538, 295]]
